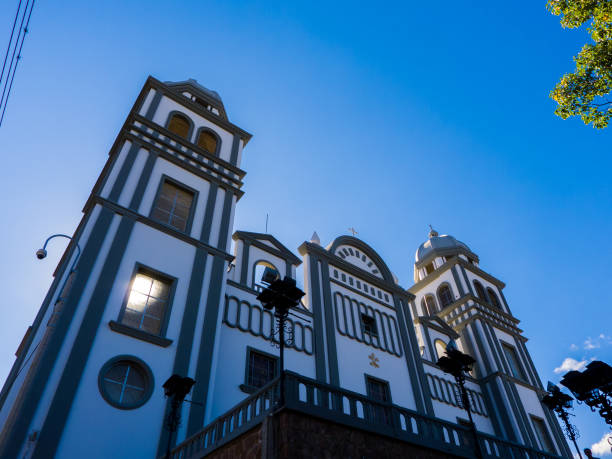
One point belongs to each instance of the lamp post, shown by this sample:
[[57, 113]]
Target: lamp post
[[280, 295], [560, 403], [594, 387], [457, 364], [176, 387]]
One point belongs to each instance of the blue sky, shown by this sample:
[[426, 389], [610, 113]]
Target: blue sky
[[382, 117]]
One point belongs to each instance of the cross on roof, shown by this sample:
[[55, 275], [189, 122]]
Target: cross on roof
[[353, 230]]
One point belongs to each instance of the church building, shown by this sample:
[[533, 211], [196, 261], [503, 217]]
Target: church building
[[155, 282]]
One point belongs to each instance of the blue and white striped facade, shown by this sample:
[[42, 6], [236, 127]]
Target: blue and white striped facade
[[52, 405]]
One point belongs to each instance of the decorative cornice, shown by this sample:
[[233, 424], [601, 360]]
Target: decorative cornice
[[308, 248], [255, 239], [185, 143], [433, 276], [436, 323], [443, 252], [179, 98], [479, 272], [125, 212]]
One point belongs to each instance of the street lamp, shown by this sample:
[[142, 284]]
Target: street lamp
[[177, 388], [559, 402], [280, 295], [593, 386], [457, 364]]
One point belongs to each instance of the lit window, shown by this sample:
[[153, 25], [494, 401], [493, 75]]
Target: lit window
[[125, 383], [147, 303], [207, 141], [179, 124], [445, 296], [258, 271], [494, 298], [261, 369], [543, 436], [369, 325], [440, 347], [173, 205], [513, 361]]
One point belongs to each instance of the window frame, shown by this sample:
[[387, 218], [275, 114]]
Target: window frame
[[425, 306], [254, 283], [373, 412], [509, 347], [166, 178], [159, 339], [482, 294], [217, 151], [495, 303], [548, 438], [248, 388], [189, 120], [442, 305], [363, 326], [149, 381], [436, 340]]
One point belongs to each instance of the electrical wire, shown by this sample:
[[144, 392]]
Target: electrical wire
[[7, 85], [8, 48]]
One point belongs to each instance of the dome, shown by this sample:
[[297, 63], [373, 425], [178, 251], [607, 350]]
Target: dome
[[445, 243]]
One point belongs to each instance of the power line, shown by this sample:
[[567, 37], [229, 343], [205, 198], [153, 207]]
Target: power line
[[8, 48], [7, 83]]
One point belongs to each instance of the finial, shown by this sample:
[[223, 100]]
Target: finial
[[432, 232], [315, 238], [353, 230]]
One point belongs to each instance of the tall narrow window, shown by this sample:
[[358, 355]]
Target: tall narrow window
[[429, 268], [173, 205], [379, 391], [440, 348], [445, 296], [545, 441], [261, 368], [494, 298], [513, 361], [480, 293], [208, 141], [258, 270], [147, 303], [179, 124], [430, 303]]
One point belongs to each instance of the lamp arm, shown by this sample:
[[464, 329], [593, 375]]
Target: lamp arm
[[68, 237]]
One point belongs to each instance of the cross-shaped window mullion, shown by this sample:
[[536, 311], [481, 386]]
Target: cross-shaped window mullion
[[172, 209]]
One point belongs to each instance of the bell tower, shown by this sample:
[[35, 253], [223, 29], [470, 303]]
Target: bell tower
[[452, 289], [144, 300]]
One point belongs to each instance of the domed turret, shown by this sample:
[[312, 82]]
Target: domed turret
[[436, 250]]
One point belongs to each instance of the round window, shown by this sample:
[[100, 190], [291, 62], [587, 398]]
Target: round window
[[125, 382]]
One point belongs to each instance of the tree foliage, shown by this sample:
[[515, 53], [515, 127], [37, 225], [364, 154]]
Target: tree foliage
[[585, 92]]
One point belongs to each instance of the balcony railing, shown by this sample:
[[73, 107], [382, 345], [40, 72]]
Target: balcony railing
[[351, 409]]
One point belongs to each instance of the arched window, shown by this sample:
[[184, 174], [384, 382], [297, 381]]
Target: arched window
[[494, 298], [179, 124], [207, 140], [445, 296], [429, 305], [440, 348], [258, 271], [480, 293]]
